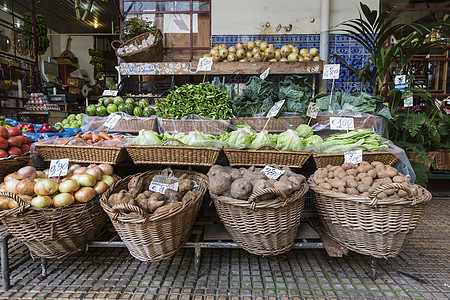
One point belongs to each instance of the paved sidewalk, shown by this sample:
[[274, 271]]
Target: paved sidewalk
[[107, 273]]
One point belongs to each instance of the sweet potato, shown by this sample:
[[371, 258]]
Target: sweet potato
[[241, 188], [219, 183], [135, 185], [188, 197], [367, 181], [167, 207], [284, 186], [172, 196], [121, 197], [296, 182], [351, 191], [336, 183], [185, 185], [325, 186]]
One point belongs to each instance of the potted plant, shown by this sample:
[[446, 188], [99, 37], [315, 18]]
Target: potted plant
[[134, 27]]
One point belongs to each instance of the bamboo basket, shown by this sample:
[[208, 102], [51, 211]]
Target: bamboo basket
[[12, 164], [274, 125], [259, 157], [375, 227], [266, 227], [151, 53], [174, 155], [187, 125], [154, 237], [54, 233]]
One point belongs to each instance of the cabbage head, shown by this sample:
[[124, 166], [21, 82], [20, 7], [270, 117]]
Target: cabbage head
[[313, 140], [262, 138], [290, 141], [147, 137], [304, 131], [240, 138]]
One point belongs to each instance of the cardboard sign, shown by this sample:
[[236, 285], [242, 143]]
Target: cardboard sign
[[275, 109], [353, 157], [337, 123], [160, 187], [313, 110], [331, 71], [58, 167], [110, 93], [112, 121], [400, 82], [408, 101], [272, 173], [264, 74], [205, 64]]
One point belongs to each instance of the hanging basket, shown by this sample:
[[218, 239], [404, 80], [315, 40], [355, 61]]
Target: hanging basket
[[150, 53]]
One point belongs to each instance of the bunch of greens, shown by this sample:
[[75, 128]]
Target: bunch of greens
[[295, 90], [134, 27], [202, 99], [344, 141]]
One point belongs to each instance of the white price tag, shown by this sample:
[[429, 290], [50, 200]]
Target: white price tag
[[337, 123], [160, 187], [112, 121], [400, 82], [272, 173], [110, 93], [353, 157], [204, 64], [58, 167], [331, 71], [313, 110], [275, 109], [408, 101], [264, 74]]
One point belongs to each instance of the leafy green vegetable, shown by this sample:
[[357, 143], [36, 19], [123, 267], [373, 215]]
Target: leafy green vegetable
[[341, 142], [262, 138], [240, 138], [289, 140], [304, 131], [314, 139], [147, 137], [295, 90]]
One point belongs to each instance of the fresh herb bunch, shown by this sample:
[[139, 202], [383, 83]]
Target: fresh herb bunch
[[134, 27]]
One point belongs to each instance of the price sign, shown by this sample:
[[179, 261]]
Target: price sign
[[264, 74], [337, 123], [160, 187], [58, 167], [408, 101], [331, 71], [112, 121], [204, 64], [272, 173], [353, 157], [313, 110], [110, 93], [275, 109], [400, 82]]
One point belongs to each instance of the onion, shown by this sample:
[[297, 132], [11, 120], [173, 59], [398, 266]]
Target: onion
[[231, 57], [240, 45], [115, 177], [300, 58], [314, 51], [295, 50], [285, 51], [80, 170], [109, 180], [269, 53], [63, 199], [250, 45], [100, 187], [240, 54], [10, 176], [41, 201], [69, 186], [223, 52], [25, 187], [308, 57], [277, 54], [4, 204], [46, 173], [249, 54], [216, 57], [2, 187], [26, 172], [283, 59], [85, 194], [73, 167], [10, 185], [107, 169], [26, 198], [75, 177], [214, 52], [256, 50], [40, 174], [231, 49], [45, 187], [303, 51], [245, 59], [257, 43], [293, 57], [258, 57], [263, 46], [96, 172], [12, 204], [316, 58], [86, 180], [273, 59]]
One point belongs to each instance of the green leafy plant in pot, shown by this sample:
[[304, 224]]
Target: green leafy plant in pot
[[134, 27]]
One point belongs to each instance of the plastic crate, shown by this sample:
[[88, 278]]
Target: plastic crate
[[309, 202]]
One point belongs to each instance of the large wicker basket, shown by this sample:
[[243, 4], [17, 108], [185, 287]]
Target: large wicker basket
[[259, 157], [186, 125], [376, 227], [263, 228], [274, 125], [54, 233], [154, 237], [174, 155], [443, 160], [126, 124], [12, 164], [151, 53]]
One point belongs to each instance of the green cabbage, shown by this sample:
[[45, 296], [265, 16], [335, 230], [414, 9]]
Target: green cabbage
[[313, 140], [147, 137], [177, 136], [262, 138], [290, 141], [240, 138], [304, 131]]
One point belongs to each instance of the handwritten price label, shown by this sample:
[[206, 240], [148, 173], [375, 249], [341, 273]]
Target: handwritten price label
[[408, 101], [204, 64], [160, 187], [275, 109], [353, 157], [313, 110], [110, 93], [264, 74], [331, 71], [112, 121], [272, 173], [400, 82], [58, 167], [337, 123]]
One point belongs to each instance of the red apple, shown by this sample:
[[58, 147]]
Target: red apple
[[14, 151], [24, 139], [25, 148], [13, 131], [4, 133], [3, 143], [3, 154], [14, 142]]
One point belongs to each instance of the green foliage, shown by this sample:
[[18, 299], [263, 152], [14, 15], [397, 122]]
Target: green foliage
[[41, 33], [421, 172], [97, 60], [295, 91], [134, 27]]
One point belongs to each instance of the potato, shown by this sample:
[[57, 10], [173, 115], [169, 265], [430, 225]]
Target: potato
[[172, 196], [348, 177], [121, 197], [135, 185], [372, 173], [289, 172], [319, 180], [382, 195], [341, 189], [370, 190], [336, 183], [394, 197], [337, 171], [241, 188], [391, 172], [188, 197], [297, 182], [382, 174], [341, 175], [402, 194], [360, 169], [362, 188], [253, 176], [386, 180], [380, 167], [375, 163], [320, 174], [365, 194], [398, 179], [4, 204], [167, 207], [347, 166], [352, 172], [351, 191], [376, 185], [156, 197], [325, 186], [185, 185], [285, 186], [330, 175], [367, 168], [361, 175], [333, 168], [219, 183], [389, 192], [351, 184], [367, 181], [252, 169]]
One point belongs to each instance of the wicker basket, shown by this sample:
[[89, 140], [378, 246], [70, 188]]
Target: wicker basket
[[376, 227], [151, 53], [412, 156], [82, 154], [126, 124], [259, 157], [275, 124], [186, 125], [365, 121], [443, 160], [174, 155], [12, 164], [54, 233], [263, 228], [154, 237]]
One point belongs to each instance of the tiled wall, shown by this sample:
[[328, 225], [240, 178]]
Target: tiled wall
[[340, 44]]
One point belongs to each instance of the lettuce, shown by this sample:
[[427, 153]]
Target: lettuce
[[313, 140], [147, 137], [240, 138], [304, 131], [262, 138], [290, 141]]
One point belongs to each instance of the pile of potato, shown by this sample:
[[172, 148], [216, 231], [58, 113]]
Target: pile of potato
[[363, 179], [241, 183], [138, 194]]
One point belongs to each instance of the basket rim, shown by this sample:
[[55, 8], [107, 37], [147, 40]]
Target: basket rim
[[158, 37], [268, 151], [78, 146], [15, 157], [134, 147]]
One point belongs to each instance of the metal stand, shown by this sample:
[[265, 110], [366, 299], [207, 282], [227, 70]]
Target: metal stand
[[373, 266], [43, 269], [6, 269]]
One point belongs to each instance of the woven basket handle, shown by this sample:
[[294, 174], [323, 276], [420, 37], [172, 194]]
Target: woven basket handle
[[116, 41], [174, 140], [389, 186], [268, 145], [20, 209], [263, 192], [125, 206], [356, 147], [73, 138]]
